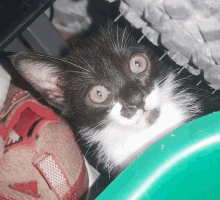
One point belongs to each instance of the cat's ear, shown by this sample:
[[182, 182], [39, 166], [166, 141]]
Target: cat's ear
[[42, 73]]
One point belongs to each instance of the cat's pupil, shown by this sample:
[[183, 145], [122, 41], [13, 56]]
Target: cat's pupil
[[99, 94], [137, 64]]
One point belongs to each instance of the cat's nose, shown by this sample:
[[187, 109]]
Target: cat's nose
[[133, 96], [137, 101]]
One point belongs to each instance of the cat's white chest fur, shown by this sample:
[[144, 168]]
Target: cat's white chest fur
[[125, 143]]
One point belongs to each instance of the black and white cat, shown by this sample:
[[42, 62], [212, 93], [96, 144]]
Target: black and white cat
[[118, 95]]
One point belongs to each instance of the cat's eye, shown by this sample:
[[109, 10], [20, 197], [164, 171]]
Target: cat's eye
[[138, 64], [98, 94]]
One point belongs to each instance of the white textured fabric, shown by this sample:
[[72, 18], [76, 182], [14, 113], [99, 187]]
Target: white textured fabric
[[70, 17], [54, 175], [5, 79]]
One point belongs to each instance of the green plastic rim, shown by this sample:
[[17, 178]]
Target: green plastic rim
[[183, 165]]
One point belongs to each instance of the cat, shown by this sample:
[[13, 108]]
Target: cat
[[118, 95]]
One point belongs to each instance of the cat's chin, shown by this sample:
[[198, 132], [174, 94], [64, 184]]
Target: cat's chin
[[146, 119]]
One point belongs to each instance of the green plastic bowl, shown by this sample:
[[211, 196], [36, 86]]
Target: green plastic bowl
[[182, 165]]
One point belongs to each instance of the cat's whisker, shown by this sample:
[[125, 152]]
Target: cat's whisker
[[93, 129], [85, 61], [62, 60], [200, 95], [128, 37], [81, 76], [183, 78], [112, 42], [109, 173], [122, 40], [74, 72], [88, 150], [175, 70], [77, 66], [196, 88], [79, 60], [162, 80], [93, 152], [110, 168], [101, 123], [81, 138], [181, 81], [80, 67], [117, 37], [77, 135]]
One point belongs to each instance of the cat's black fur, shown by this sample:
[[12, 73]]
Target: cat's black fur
[[104, 59]]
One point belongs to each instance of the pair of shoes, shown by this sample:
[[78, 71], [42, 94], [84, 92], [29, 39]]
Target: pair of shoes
[[39, 157]]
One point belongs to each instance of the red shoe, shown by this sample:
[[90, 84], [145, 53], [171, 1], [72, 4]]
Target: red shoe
[[39, 157]]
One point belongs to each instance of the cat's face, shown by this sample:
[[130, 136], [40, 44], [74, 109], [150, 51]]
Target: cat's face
[[118, 91], [111, 88], [109, 75], [118, 77], [122, 90]]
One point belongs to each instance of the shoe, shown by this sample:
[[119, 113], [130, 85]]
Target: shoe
[[39, 157]]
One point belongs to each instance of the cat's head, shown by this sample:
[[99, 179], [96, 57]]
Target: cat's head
[[106, 78]]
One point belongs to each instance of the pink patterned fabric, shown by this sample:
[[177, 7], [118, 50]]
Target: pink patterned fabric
[[39, 157]]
